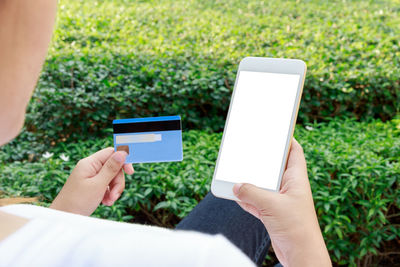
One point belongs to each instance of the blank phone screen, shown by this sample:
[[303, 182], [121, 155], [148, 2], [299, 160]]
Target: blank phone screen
[[257, 129]]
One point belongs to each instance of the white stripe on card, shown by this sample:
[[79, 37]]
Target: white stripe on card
[[137, 138]]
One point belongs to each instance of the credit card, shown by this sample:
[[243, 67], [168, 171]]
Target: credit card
[[153, 139]]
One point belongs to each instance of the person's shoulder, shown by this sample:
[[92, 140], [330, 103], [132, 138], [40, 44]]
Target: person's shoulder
[[24, 210], [31, 211], [56, 216]]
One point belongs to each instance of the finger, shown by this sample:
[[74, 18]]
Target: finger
[[111, 167], [114, 190], [250, 209], [296, 156], [117, 186], [255, 196], [107, 198], [102, 155], [90, 166], [128, 168]]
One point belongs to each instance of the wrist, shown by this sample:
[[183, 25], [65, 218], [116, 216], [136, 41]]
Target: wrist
[[309, 249], [64, 204]]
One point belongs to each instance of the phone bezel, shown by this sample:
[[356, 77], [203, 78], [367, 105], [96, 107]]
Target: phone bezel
[[223, 189]]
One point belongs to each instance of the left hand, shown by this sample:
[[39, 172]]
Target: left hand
[[96, 179]]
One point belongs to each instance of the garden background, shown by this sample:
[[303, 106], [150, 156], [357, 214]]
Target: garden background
[[119, 59]]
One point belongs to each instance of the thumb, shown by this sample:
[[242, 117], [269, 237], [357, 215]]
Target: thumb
[[112, 167], [255, 196]]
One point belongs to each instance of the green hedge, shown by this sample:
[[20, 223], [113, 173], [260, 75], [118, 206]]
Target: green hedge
[[353, 169], [128, 59]]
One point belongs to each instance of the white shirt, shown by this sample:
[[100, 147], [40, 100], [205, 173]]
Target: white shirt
[[55, 238]]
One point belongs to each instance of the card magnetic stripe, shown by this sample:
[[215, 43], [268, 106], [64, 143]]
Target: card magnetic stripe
[[150, 126]]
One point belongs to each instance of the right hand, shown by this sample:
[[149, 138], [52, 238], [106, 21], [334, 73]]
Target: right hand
[[289, 216]]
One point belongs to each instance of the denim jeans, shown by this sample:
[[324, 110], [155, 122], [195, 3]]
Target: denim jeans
[[220, 216]]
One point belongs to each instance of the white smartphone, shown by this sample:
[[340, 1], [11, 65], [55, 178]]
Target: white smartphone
[[259, 126]]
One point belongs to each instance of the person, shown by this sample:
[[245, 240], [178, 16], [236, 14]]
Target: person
[[216, 233]]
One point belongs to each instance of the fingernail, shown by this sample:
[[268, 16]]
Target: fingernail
[[120, 156], [236, 188]]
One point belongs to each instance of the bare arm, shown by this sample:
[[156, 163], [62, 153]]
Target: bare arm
[[26, 27]]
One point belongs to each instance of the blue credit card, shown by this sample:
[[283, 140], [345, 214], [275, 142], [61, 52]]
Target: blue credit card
[[154, 139]]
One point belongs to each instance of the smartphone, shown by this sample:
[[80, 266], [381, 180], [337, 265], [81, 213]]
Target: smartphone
[[259, 126]]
